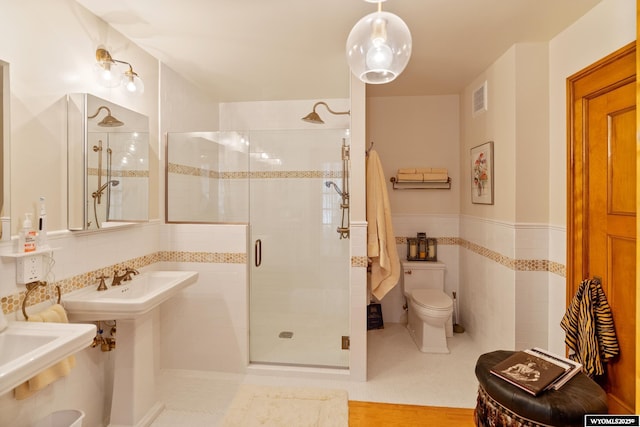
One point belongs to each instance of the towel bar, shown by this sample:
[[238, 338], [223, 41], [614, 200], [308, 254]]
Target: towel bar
[[30, 288]]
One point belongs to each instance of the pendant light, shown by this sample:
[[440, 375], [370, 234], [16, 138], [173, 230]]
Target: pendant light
[[378, 47]]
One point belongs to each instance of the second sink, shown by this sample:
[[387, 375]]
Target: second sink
[[131, 299]]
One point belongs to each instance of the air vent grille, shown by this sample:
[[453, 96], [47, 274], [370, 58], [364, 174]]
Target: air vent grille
[[479, 100]]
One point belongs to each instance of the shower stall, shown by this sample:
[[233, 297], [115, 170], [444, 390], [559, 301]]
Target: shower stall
[[299, 293], [290, 186]]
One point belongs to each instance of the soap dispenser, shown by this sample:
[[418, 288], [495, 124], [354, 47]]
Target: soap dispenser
[[27, 236]]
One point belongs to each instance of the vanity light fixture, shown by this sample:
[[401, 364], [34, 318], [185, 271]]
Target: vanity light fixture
[[378, 46], [110, 74], [313, 117]]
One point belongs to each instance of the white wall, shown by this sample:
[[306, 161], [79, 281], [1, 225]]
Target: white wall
[[417, 131], [50, 47]]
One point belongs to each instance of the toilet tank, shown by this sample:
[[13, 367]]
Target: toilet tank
[[422, 275]]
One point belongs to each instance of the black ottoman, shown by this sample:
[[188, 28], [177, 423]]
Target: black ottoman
[[503, 404]]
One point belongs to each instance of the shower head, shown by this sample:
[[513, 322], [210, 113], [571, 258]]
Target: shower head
[[109, 121], [113, 183], [313, 117], [335, 186]]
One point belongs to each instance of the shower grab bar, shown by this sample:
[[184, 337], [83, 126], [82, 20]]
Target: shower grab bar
[[258, 253]]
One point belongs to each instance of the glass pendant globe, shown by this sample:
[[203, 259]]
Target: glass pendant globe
[[379, 47]]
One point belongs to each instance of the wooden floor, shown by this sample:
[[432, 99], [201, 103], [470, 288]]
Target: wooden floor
[[371, 414]]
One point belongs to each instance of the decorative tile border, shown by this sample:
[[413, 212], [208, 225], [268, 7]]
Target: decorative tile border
[[132, 173], [514, 264], [12, 303], [179, 169], [359, 261]]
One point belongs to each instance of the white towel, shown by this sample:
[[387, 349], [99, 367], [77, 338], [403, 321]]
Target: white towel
[[406, 170], [435, 176], [55, 314], [381, 241], [410, 177]]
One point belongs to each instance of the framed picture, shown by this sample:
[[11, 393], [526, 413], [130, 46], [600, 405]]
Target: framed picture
[[482, 174]]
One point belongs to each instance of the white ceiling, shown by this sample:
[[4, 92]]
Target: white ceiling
[[251, 50]]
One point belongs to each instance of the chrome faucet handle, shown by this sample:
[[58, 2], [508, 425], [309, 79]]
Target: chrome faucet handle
[[102, 286]]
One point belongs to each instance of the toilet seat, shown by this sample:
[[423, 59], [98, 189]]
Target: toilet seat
[[432, 299]]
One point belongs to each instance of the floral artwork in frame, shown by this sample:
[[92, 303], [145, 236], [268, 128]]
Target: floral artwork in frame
[[482, 174]]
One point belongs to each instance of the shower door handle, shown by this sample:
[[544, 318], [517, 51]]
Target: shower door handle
[[258, 253]]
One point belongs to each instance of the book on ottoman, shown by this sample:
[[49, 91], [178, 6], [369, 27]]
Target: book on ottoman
[[530, 372]]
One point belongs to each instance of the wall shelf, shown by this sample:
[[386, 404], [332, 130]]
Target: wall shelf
[[27, 254], [420, 185]]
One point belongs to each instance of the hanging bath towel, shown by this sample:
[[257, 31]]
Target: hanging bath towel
[[56, 314], [381, 242]]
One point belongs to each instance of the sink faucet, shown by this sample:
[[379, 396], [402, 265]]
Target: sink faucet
[[117, 280]]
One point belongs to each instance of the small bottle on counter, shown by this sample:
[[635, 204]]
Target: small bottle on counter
[[27, 236]]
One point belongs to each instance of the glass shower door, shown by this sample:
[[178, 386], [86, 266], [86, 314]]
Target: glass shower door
[[299, 275]]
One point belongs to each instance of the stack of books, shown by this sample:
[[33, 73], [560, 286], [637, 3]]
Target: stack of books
[[536, 370]]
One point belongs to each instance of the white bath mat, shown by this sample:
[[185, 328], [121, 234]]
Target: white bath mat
[[256, 405]]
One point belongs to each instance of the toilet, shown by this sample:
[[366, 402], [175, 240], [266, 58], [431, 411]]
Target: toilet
[[429, 308]]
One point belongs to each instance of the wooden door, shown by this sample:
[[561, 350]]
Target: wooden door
[[602, 203]]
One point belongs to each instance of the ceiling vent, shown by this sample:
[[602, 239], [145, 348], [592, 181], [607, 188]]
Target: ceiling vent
[[479, 100]]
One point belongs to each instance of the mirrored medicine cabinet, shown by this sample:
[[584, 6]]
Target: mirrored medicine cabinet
[[5, 209], [108, 164]]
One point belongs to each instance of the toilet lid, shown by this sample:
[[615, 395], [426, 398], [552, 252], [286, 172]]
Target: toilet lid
[[432, 299]]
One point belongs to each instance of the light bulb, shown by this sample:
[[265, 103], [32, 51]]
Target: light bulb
[[378, 47], [379, 57], [108, 74], [132, 83]]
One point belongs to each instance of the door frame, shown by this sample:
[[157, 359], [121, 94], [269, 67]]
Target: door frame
[[576, 182]]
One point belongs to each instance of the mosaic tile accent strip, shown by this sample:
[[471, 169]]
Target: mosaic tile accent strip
[[359, 261], [295, 174], [194, 171], [514, 264], [133, 173], [204, 257], [12, 303]]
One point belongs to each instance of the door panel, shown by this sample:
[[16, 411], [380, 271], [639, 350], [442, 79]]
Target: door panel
[[602, 204]]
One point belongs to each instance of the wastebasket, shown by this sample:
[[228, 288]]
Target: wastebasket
[[65, 418]]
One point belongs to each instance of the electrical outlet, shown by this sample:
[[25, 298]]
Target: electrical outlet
[[29, 269]]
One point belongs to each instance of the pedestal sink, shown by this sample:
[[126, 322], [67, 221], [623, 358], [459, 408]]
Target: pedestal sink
[[134, 400], [27, 348]]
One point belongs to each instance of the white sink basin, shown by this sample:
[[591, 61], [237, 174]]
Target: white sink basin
[[129, 300], [27, 348]]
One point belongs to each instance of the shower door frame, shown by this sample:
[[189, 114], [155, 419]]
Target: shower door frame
[[302, 332]]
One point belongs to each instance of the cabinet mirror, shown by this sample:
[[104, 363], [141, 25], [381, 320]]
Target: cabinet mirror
[[5, 208], [108, 164]]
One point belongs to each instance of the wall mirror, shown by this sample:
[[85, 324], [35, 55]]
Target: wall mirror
[[5, 131], [206, 177], [108, 164]]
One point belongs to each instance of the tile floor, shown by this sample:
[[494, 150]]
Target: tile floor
[[397, 373]]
